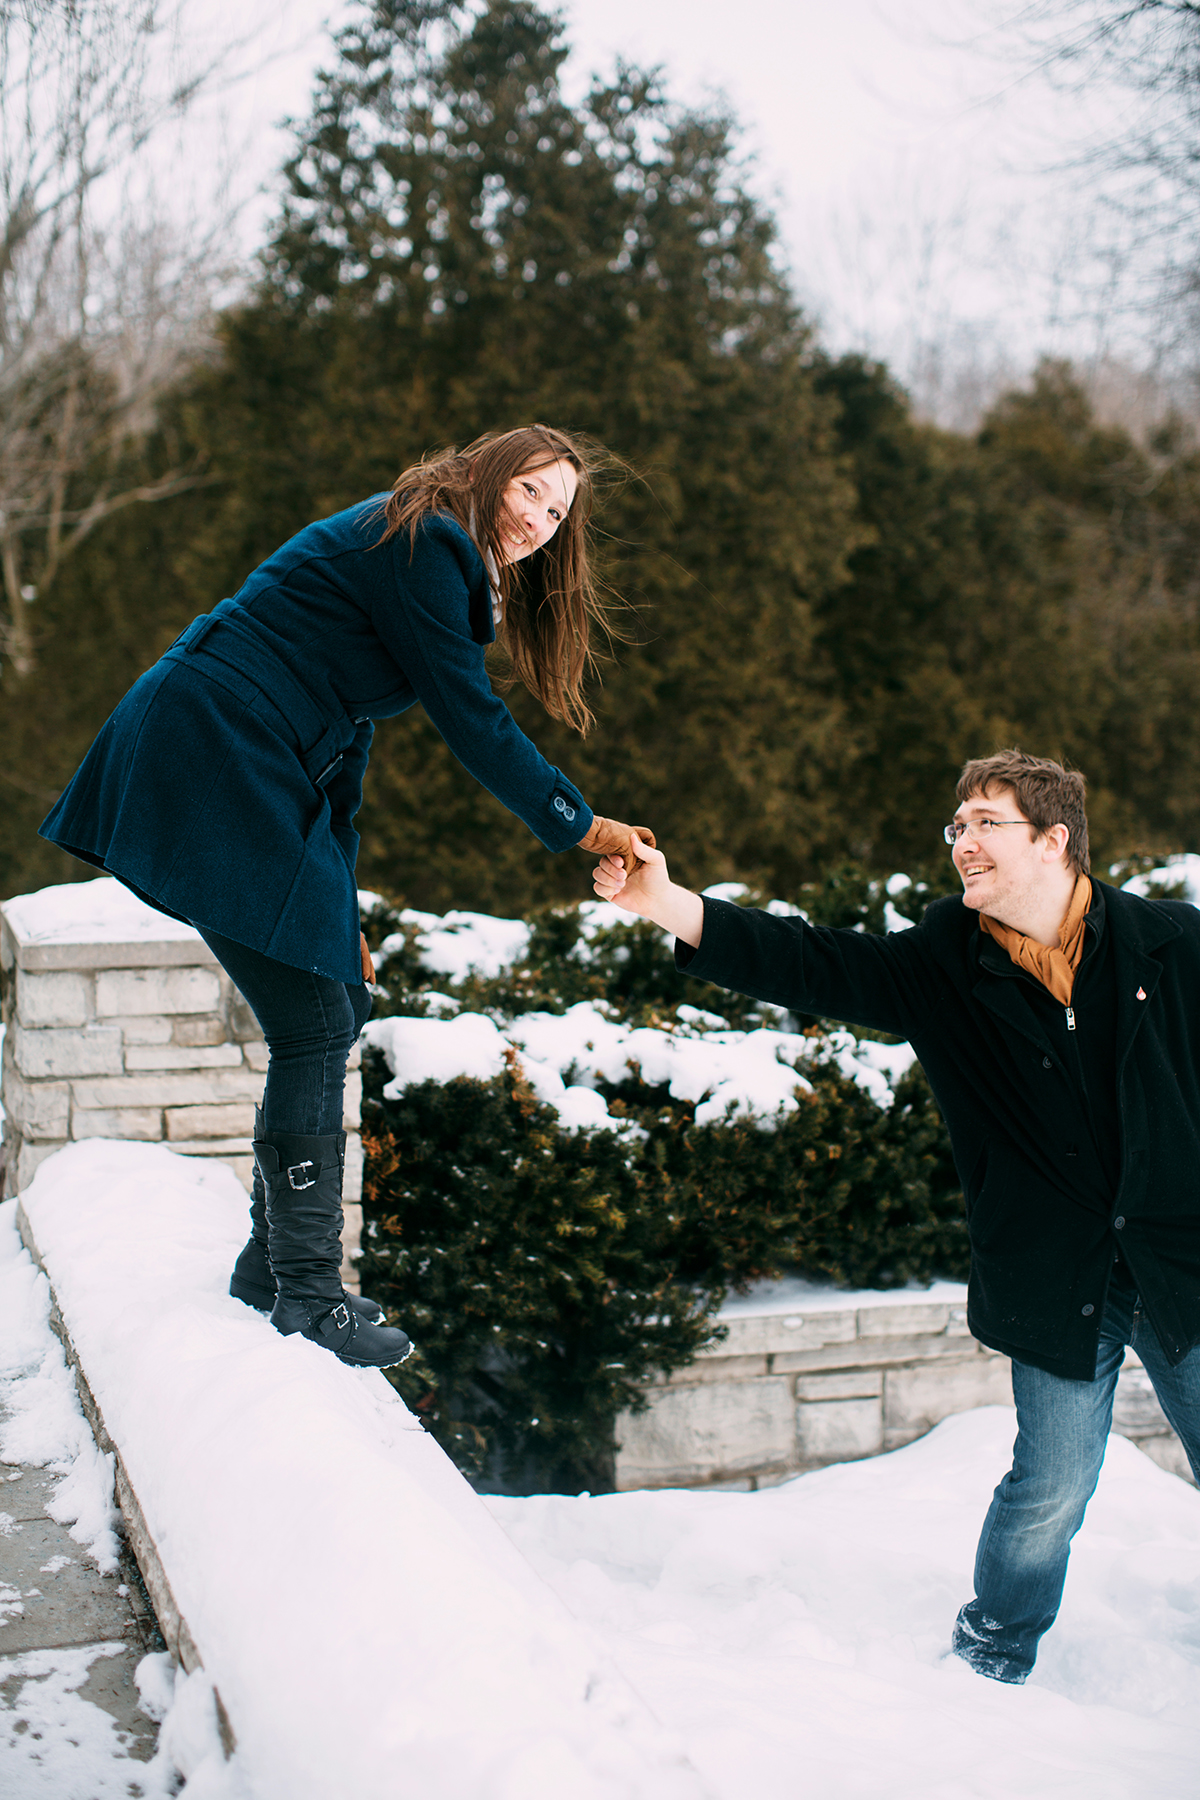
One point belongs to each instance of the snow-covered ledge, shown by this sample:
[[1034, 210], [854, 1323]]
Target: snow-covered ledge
[[120, 1023], [809, 1375], [351, 1617]]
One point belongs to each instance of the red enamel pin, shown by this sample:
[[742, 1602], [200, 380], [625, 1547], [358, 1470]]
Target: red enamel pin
[[1141, 993]]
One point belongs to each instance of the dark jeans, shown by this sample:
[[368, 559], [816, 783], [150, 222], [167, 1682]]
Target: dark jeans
[[310, 1024], [1063, 1427]]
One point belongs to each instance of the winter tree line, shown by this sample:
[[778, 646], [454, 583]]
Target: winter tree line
[[822, 605]]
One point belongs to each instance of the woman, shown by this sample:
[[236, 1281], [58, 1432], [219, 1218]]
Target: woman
[[224, 787]]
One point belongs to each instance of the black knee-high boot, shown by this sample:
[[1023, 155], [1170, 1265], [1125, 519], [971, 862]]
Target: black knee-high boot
[[252, 1280], [302, 1177]]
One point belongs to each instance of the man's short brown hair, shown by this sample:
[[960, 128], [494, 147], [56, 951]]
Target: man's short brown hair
[[1046, 793]]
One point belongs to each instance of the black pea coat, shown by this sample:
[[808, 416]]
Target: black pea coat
[[1044, 1216], [224, 787]]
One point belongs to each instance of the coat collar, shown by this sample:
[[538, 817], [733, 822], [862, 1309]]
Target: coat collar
[[1137, 929]]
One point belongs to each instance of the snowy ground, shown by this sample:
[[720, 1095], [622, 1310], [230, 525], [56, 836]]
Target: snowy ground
[[794, 1637], [791, 1640]]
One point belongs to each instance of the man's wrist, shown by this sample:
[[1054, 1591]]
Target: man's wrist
[[682, 913]]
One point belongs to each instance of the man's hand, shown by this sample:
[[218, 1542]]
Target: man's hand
[[608, 837], [650, 891]]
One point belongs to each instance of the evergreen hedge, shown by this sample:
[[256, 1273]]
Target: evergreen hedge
[[547, 1274]]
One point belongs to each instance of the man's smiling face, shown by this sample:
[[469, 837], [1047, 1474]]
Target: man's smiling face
[[1003, 871]]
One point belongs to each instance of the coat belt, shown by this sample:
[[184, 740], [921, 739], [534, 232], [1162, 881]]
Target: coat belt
[[249, 669]]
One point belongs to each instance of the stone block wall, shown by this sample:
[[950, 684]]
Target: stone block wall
[[789, 1391], [140, 1035]]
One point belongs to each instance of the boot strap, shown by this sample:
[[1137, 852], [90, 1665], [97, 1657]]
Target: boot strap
[[298, 1169]]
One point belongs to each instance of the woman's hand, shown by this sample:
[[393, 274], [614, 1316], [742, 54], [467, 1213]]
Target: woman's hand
[[368, 967], [650, 891], [608, 837]]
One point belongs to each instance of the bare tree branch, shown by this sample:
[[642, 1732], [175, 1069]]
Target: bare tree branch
[[100, 306]]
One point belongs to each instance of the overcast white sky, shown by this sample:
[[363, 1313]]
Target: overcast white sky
[[904, 164]]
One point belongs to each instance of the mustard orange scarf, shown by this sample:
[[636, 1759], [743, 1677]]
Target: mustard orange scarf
[[1053, 966]]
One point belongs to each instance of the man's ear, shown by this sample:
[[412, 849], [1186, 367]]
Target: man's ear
[[1056, 838]]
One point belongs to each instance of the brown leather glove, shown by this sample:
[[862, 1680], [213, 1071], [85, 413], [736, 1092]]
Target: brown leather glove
[[368, 967], [608, 837]]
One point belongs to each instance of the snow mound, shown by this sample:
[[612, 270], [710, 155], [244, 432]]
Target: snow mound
[[101, 911]]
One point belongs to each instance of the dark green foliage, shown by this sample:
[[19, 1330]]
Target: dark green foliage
[[836, 605], [628, 964], [535, 1269], [546, 1274]]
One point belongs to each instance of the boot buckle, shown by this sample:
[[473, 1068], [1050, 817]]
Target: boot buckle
[[341, 1316], [298, 1169]]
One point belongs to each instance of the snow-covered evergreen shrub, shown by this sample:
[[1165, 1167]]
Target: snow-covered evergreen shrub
[[550, 1219]]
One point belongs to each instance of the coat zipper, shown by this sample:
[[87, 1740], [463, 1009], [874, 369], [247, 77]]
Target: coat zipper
[[1070, 1019]]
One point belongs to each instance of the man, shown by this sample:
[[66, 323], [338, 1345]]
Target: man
[[1058, 1021]]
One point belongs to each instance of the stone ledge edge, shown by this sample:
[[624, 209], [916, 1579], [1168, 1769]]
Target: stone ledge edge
[[176, 1632]]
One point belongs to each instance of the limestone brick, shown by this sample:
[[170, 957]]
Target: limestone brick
[[142, 1028], [843, 1384], [61, 998], [242, 1023], [256, 1053], [211, 1087], [918, 1398], [722, 1368], [707, 1430], [29, 1159], [352, 1176], [151, 990], [182, 1056], [38, 1111], [894, 1321], [199, 1028], [766, 1334], [1136, 1412], [352, 1107], [141, 1122], [193, 1122], [351, 1245], [880, 1351], [42, 1055], [839, 1430]]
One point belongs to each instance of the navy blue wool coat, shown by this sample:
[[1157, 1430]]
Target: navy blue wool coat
[[1047, 1207], [224, 787]]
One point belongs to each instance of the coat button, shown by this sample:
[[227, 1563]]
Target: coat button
[[1046, 1063], [1118, 1223], [1088, 1310], [560, 804]]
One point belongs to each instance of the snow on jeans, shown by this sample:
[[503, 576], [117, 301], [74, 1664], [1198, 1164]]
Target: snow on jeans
[[310, 1023], [1063, 1427]]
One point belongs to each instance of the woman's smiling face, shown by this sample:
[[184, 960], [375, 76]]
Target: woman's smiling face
[[533, 506]]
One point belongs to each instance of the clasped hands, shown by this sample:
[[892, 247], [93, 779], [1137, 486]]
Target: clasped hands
[[614, 842], [632, 872]]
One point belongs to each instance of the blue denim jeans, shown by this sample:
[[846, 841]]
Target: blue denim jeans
[[1062, 1431], [310, 1023]]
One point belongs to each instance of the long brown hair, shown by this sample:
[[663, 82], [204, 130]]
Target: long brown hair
[[550, 599]]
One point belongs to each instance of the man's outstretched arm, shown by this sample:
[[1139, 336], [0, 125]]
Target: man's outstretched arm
[[886, 983], [650, 891]]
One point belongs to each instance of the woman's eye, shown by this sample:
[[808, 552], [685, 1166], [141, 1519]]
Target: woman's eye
[[556, 516]]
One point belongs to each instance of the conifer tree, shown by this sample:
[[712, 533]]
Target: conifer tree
[[463, 249]]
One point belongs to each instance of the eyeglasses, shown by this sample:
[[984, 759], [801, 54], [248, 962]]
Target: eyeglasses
[[981, 828]]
